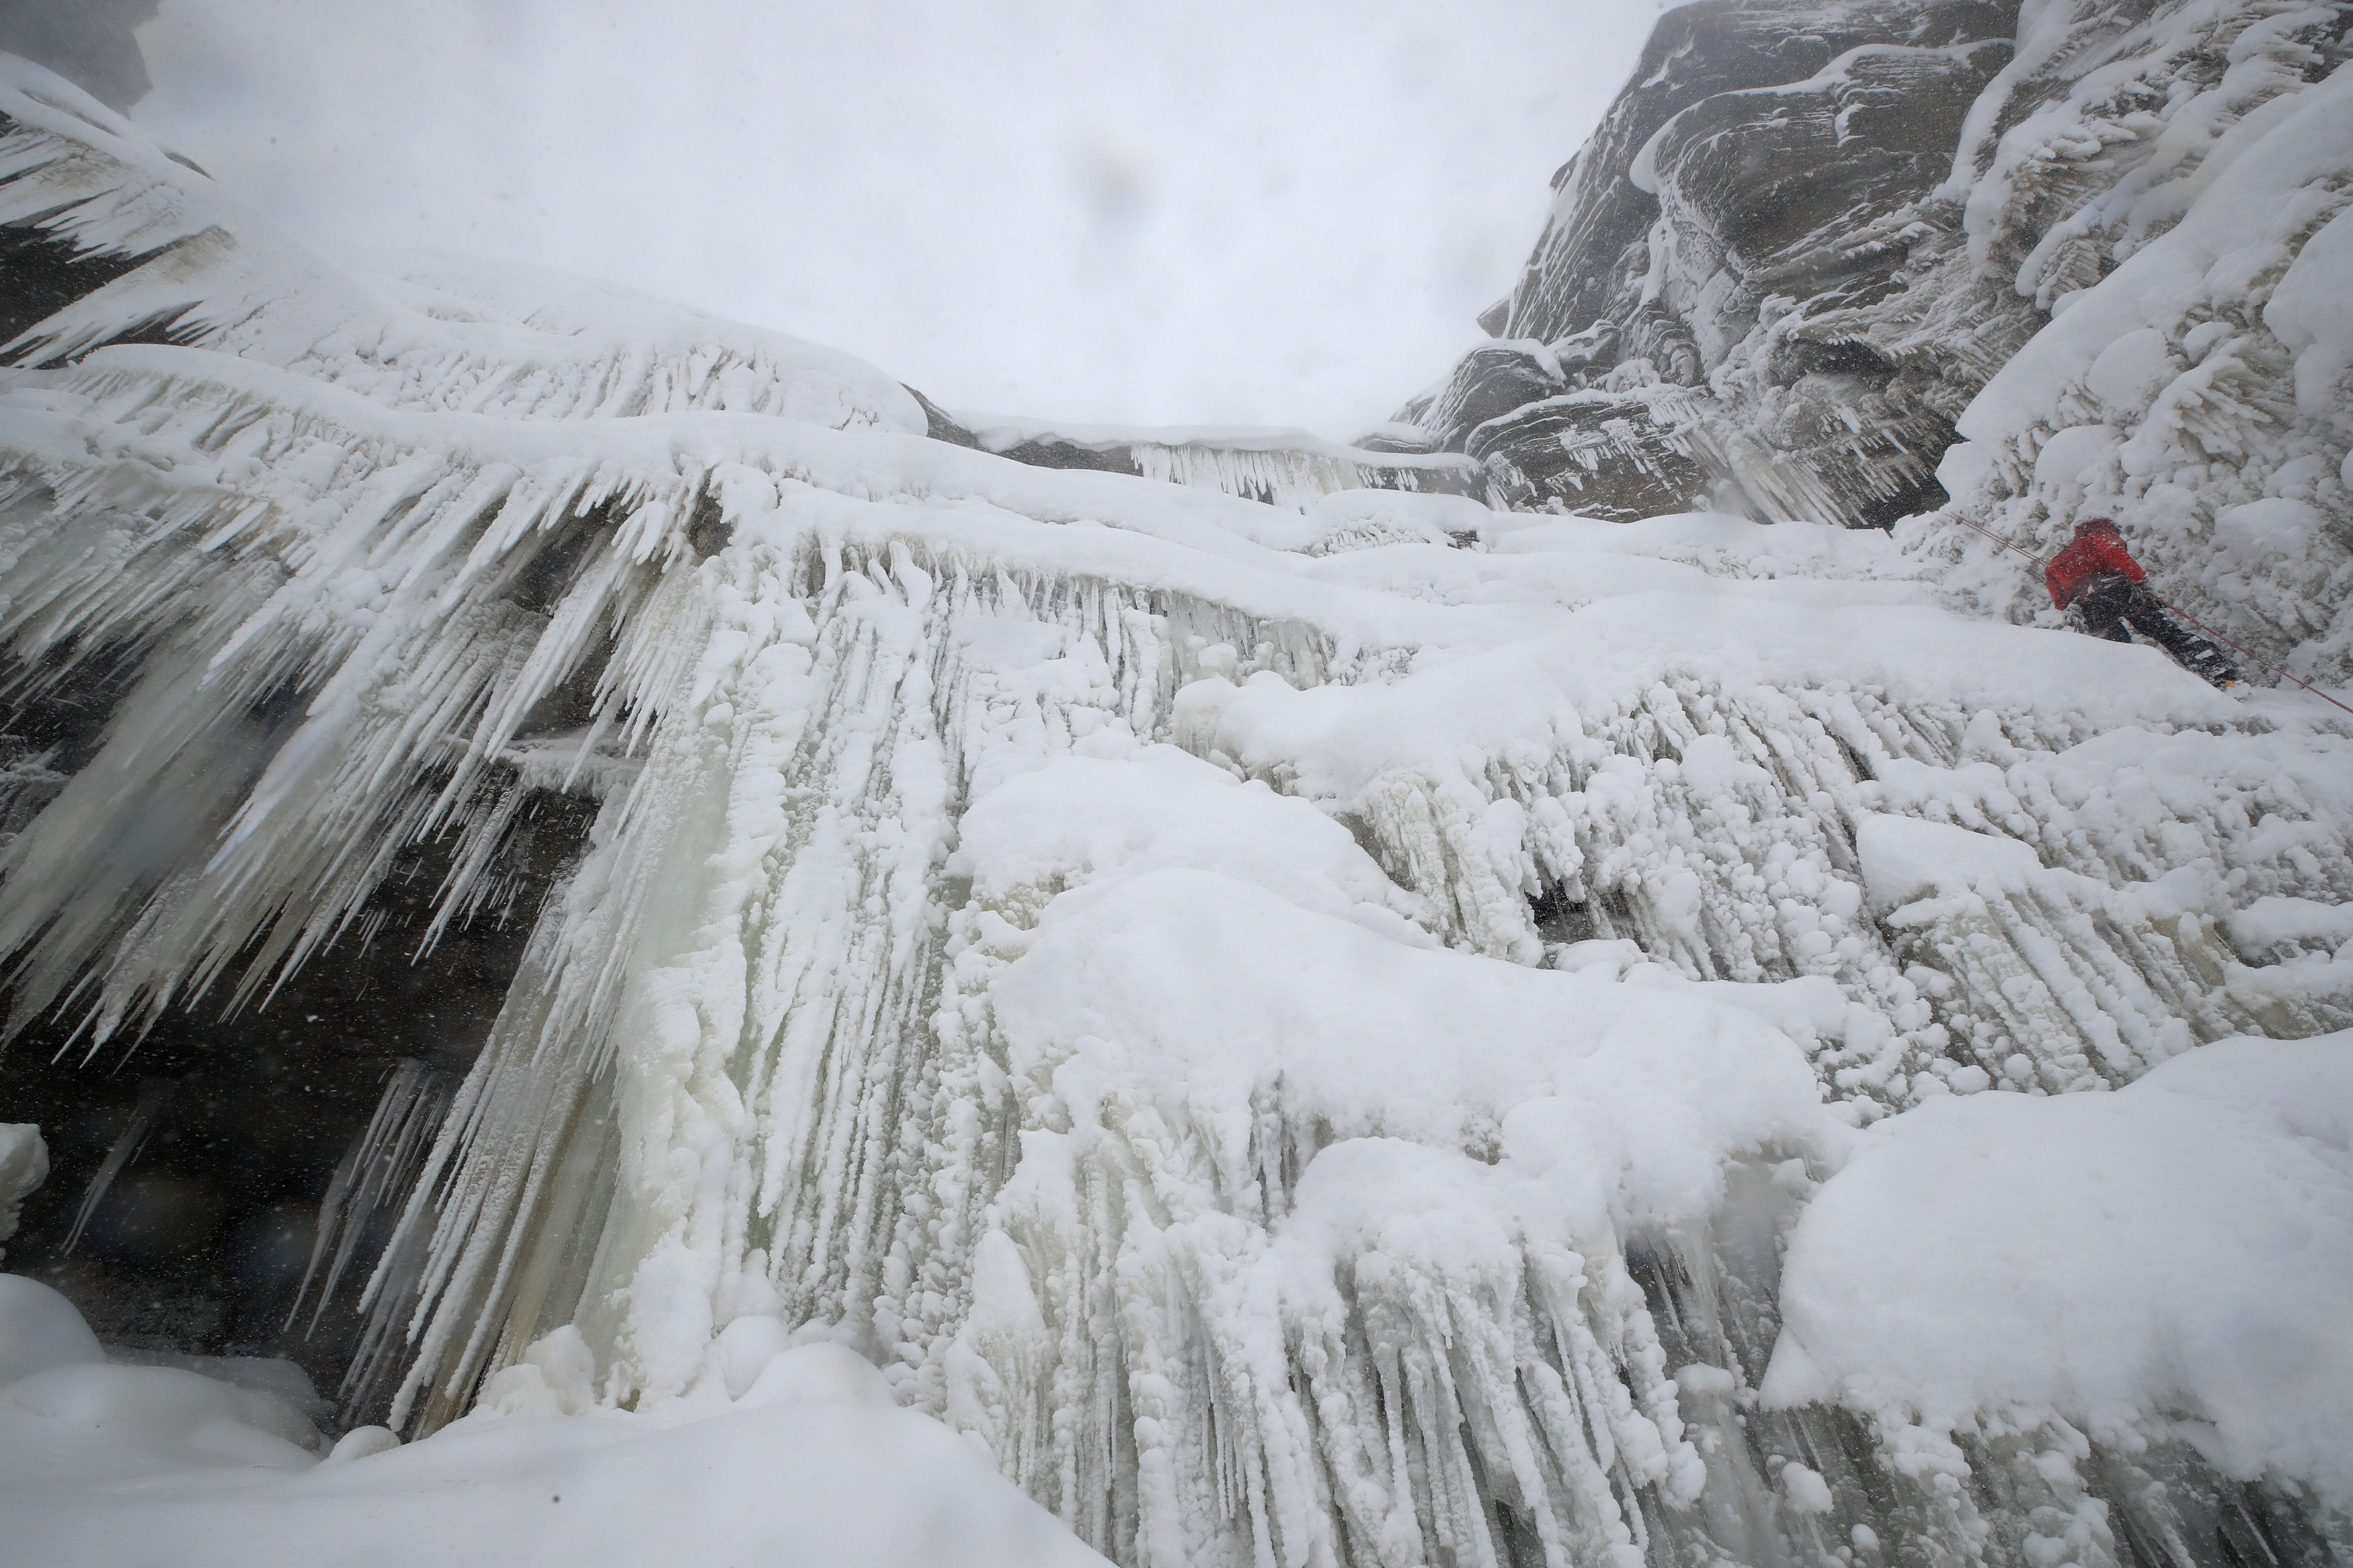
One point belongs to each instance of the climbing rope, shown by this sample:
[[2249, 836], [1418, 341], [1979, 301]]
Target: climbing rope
[[2193, 620]]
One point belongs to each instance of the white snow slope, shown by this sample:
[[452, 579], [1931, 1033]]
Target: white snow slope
[[1301, 1043]]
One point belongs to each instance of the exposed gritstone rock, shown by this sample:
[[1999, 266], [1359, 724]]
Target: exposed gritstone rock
[[1620, 455], [1840, 220], [1490, 382]]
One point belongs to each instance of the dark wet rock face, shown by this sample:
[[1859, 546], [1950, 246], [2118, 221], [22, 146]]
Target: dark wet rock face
[[940, 425], [41, 274], [1731, 227], [1490, 382], [1699, 55], [195, 1163], [1618, 456]]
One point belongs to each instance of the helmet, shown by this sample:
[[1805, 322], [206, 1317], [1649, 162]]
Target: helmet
[[2095, 525]]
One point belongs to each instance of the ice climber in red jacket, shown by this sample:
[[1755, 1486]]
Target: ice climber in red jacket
[[2098, 579]]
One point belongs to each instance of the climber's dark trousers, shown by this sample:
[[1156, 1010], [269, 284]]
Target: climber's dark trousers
[[2111, 604]]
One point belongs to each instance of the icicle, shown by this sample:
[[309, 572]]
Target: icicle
[[1295, 478], [145, 1111], [23, 1166], [376, 1174]]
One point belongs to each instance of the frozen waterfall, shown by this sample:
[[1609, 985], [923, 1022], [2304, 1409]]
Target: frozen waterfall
[[1367, 1030]]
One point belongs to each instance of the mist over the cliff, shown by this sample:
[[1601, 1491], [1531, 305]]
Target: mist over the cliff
[[92, 43], [1221, 213]]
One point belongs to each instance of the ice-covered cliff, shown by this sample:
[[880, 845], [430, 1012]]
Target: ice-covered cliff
[[645, 877], [1806, 235]]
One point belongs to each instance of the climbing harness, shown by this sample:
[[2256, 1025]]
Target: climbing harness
[[2193, 620]]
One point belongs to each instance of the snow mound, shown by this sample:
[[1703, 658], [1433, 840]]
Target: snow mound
[[2175, 1255], [113, 1465]]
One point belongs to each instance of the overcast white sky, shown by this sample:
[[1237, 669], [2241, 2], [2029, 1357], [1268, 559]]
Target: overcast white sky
[[1222, 211]]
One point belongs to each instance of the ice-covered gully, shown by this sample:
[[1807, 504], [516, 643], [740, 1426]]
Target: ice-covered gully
[[1302, 1042]]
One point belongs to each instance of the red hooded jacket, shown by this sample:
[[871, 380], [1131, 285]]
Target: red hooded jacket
[[2097, 548]]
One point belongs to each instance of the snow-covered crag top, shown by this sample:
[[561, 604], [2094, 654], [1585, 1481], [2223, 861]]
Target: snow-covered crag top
[[1373, 1029]]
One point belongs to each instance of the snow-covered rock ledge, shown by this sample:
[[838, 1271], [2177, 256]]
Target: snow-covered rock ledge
[[2163, 1263]]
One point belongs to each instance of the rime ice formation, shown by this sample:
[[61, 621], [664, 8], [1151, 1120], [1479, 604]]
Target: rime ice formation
[[2199, 390], [1295, 1010]]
